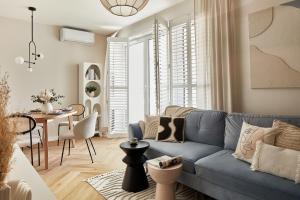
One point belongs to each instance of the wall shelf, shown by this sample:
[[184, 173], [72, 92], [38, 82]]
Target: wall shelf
[[90, 74]]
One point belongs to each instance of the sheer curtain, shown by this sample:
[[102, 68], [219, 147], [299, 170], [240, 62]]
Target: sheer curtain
[[214, 21], [104, 114]]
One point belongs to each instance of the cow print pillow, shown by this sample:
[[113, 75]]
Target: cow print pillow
[[170, 129]]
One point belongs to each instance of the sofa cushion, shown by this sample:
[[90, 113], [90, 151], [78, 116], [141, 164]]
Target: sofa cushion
[[205, 127], [224, 170], [190, 151], [234, 122]]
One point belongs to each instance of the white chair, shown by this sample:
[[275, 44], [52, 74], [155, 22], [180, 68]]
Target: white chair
[[80, 109], [85, 129]]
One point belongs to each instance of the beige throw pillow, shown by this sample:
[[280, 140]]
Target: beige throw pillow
[[178, 111], [277, 161], [142, 126], [289, 135], [248, 137], [151, 126]]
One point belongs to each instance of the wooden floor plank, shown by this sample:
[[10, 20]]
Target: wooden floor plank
[[66, 181]]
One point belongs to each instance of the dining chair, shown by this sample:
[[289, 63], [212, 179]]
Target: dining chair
[[24, 126], [84, 129], [80, 113], [39, 128]]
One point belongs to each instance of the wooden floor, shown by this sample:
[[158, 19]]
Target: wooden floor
[[66, 181]]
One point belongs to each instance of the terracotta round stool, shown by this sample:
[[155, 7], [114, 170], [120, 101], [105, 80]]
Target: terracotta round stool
[[165, 179]]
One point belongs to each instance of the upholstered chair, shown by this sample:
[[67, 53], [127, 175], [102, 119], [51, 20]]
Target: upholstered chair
[[80, 109], [84, 129]]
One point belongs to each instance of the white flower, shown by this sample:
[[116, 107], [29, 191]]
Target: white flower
[[48, 93]]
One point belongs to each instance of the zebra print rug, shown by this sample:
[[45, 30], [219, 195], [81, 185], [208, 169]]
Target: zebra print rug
[[109, 185]]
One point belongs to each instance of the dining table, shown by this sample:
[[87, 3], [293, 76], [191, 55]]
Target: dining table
[[44, 119]]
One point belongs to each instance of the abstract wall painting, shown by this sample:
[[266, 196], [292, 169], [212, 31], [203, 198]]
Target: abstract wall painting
[[275, 46]]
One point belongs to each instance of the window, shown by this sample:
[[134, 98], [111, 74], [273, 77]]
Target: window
[[183, 62], [162, 70], [142, 82], [118, 85]]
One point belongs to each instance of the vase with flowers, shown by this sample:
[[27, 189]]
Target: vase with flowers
[[46, 98], [7, 138], [90, 89]]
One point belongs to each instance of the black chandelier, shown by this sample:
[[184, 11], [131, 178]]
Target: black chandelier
[[20, 60]]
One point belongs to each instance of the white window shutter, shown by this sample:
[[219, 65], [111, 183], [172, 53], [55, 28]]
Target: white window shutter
[[118, 85], [183, 62], [161, 65]]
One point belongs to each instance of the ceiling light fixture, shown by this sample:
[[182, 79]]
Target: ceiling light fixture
[[20, 60], [124, 8]]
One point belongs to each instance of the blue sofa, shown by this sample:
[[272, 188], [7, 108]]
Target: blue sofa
[[208, 165]]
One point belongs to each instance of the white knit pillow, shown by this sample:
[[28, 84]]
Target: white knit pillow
[[248, 137], [277, 161]]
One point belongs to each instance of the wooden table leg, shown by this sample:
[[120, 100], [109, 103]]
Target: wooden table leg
[[45, 129], [70, 118]]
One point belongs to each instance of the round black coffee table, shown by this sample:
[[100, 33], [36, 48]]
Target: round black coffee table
[[135, 178]]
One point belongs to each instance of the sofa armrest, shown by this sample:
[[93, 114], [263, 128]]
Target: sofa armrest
[[134, 130]]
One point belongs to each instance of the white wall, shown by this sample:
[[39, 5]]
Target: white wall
[[58, 70], [263, 101]]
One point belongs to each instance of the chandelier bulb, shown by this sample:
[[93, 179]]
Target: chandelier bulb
[[19, 60]]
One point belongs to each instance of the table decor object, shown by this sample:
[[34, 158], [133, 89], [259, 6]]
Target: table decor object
[[35, 110], [90, 89], [67, 109], [46, 98], [165, 161], [56, 112], [133, 141]]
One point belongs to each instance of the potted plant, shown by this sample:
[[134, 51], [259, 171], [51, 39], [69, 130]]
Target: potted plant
[[7, 138], [90, 89], [46, 98]]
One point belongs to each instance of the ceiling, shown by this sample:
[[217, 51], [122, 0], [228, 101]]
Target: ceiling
[[84, 14]]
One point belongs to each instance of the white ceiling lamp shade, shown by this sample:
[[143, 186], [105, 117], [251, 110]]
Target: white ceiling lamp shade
[[124, 8]]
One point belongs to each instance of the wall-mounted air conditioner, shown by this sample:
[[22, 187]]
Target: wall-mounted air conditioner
[[73, 35]]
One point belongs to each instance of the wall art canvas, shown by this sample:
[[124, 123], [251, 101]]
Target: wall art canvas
[[275, 46]]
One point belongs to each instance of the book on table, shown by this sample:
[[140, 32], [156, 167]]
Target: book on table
[[165, 161]]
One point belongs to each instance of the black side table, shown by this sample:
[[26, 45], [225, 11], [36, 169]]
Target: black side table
[[135, 178]]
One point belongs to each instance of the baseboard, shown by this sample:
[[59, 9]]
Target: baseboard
[[117, 135]]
